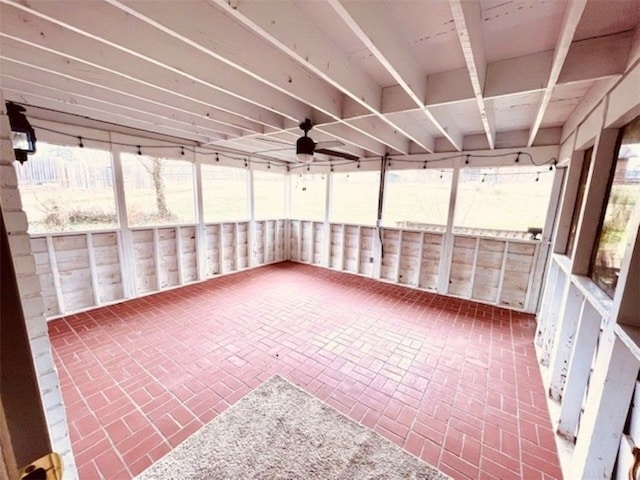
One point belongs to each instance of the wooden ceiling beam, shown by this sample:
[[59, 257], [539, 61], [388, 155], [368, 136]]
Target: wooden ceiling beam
[[572, 15], [466, 15], [281, 24], [372, 28]]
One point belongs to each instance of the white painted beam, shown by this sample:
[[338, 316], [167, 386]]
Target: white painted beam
[[126, 34], [572, 16], [281, 24], [95, 113], [46, 61], [256, 59], [23, 73], [468, 20], [123, 114], [373, 29]]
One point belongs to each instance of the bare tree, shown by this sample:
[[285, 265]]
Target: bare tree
[[155, 170]]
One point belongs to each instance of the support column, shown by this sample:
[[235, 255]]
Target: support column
[[31, 297], [611, 387]]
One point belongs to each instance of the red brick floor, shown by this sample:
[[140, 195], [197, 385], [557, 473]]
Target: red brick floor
[[453, 382]]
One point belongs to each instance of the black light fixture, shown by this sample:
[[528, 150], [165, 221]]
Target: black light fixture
[[23, 135], [305, 146]]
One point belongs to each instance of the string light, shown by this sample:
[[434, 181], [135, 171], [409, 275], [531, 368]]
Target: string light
[[182, 151], [551, 163], [441, 173], [246, 164], [425, 165], [269, 165], [538, 177], [483, 177]]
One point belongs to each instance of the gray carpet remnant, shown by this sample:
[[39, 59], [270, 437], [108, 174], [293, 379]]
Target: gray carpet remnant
[[280, 432]]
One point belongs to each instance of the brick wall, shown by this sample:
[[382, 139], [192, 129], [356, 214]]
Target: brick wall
[[32, 303]]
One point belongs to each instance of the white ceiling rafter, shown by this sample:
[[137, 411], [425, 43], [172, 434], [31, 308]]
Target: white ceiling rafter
[[572, 16], [468, 20], [120, 39], [402, 78], [12, 68], [383, 42], [35, 40], [298, 83], [273, 22]]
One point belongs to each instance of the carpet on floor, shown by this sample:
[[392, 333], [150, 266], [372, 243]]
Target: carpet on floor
[[279, 431]]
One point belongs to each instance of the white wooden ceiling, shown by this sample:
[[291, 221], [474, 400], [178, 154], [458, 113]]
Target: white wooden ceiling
[[377, 76]]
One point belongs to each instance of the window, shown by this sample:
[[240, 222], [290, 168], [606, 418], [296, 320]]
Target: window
[[268, 191], [417, 199], [584, 174], [623, 194], [158, 191], [67, 189], [308, 196], [355, 198], [499, 200], [224, 194]]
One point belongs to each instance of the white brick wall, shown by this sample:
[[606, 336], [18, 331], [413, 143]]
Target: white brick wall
[[32, 304]]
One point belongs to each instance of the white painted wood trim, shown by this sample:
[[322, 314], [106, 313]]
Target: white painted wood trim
[[156, 258], [95, 287], [55, 274], [446, 253], [251, 227], [179, 259], [606, 409], [201, 228], [503, 269], [579, 368]]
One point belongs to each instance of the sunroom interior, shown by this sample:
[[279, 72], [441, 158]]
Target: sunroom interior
[[455, 263]]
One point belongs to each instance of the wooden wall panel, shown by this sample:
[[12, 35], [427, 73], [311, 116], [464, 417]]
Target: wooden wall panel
[[188, 254], [168, 258], [462, 264], [351, 248], [430, 266], [366, 251], [306, 240], [337, 243], [107, 265], [243, 245], [259, 241], [519, 263], [318, 242], [391, 255], [72, 260], [228, 247], [295, 241], [212, 256], [410, 255], [144, 259], [43, 270], [488, 271], [280, 254]]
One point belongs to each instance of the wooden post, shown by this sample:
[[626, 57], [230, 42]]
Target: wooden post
[[447, 243], [579, 369], [611, 387]]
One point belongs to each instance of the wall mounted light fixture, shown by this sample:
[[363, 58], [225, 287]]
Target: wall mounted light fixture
[[23, 136]]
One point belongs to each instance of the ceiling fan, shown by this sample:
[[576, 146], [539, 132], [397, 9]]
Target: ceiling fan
[[306, 147]]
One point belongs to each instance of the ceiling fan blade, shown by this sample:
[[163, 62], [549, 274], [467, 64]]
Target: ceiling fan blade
[[335, 153], [329, 144]]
